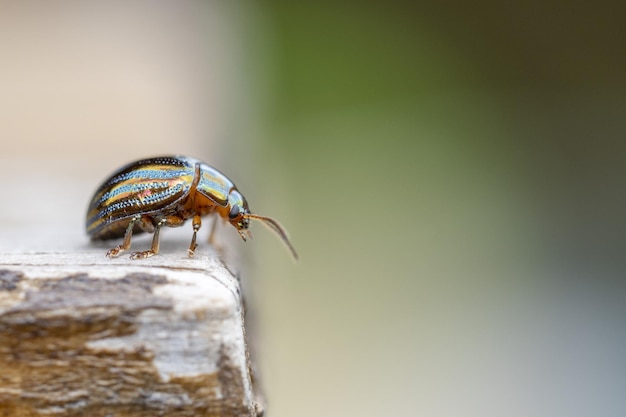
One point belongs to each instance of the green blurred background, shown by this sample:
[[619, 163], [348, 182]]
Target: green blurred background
[[452, 174]]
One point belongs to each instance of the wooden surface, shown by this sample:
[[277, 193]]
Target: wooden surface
[[84, 335]]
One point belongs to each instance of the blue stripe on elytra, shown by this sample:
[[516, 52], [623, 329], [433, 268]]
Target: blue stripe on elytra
[[157, 174]]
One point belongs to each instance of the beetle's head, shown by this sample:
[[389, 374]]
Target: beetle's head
[[239, 216]]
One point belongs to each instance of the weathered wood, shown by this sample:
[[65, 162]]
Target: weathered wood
[[83, 335]]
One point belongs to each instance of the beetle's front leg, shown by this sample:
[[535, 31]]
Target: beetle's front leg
[[197, 223], [212, 234], [127, 237]]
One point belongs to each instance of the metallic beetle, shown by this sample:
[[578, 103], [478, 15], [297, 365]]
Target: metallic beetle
[[145, 195]]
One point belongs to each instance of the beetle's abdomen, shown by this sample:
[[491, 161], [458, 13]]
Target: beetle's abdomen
[[144, 187]]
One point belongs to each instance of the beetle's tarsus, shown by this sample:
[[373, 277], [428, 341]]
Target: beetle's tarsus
[[115, 252], [142, 255]]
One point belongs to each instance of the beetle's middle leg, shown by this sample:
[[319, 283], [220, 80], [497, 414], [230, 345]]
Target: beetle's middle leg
[[127, 237], [154, 249]]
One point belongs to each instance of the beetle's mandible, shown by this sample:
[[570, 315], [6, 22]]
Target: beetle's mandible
[[146, 195]]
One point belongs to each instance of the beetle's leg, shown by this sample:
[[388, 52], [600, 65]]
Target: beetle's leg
[[126, 243], [216, 220], [154, 249], [197, 222]]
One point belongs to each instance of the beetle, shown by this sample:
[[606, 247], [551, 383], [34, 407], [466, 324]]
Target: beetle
[[145, 195]]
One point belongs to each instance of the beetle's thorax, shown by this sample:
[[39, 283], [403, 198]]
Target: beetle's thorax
[[198, 204]]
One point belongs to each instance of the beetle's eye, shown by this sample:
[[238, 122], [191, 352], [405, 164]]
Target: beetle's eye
[[234, 212]]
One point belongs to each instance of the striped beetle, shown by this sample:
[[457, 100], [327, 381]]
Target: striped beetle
[[145, 195]]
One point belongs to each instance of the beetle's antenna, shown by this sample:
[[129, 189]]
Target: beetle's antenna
[[277, 228]]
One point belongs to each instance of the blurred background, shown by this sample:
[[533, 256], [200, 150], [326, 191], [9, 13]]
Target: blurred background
[[452, 174]]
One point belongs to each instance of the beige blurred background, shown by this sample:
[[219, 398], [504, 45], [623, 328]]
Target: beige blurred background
[[451, 173]]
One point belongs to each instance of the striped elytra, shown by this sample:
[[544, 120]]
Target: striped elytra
[[146, 195]]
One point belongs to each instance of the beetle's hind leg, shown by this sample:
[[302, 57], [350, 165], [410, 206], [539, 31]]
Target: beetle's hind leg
[[154, 249], [197, 222], [127, 237]]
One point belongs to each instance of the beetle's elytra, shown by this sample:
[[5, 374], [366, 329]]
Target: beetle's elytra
[[146, 195]]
